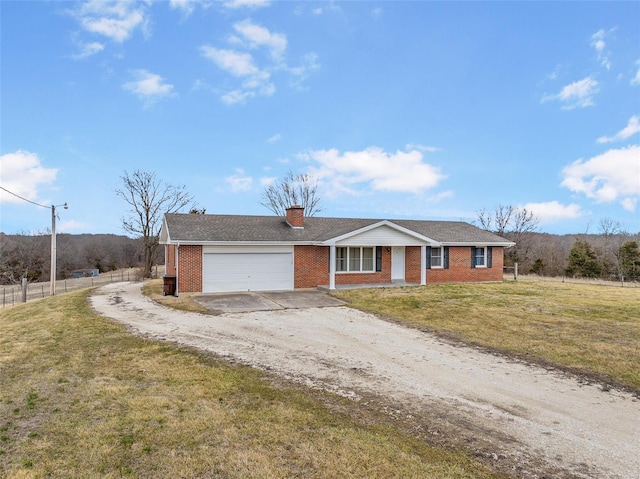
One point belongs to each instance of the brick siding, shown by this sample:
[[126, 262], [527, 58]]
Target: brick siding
[[190, 269], [412, 263], [311, 268], [460, 270]]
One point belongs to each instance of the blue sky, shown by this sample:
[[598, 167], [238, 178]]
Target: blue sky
[[425, 110]]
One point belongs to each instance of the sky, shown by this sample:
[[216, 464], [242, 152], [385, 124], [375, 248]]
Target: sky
[[399, 110]]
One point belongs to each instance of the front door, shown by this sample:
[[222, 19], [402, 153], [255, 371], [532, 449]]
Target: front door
[[397, 263]]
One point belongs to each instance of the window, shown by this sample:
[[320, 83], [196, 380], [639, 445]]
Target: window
[[480, 257], [341, 259], [436, 257], [367, 259], [355, 259]]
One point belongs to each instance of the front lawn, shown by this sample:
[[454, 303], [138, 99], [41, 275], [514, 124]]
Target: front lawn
[[81, 397]]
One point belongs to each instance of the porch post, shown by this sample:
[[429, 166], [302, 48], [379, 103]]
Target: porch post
[[423, 265], [332, 267]]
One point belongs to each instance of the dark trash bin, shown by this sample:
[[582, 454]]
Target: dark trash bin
[[169, 285]]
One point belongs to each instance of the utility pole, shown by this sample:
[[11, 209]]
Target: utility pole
[[52, 281], [52, 290]]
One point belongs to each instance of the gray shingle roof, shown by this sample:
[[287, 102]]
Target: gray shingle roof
[[195, 228]]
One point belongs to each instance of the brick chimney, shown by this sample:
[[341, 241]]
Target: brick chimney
[[295, 216]]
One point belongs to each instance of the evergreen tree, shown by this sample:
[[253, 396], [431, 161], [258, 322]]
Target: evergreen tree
[[538, 267], [630, 260], [582, 261]]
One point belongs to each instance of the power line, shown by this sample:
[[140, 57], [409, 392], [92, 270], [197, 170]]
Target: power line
[[24, 199]]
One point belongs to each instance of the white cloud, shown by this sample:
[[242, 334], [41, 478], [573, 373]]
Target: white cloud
[[148, 86], [233, 4], [267, 180], [236, 96], [327, 7], [239, 182], [22, 174], [249, 41], [422, 148], [631, 129], [578, 94], [376, 12], [70, 225], [301, 72], [443, 195], [599, 45], [275, 138], [374, 168], [552, 211], [257, 36], [187, 7], [116, 20], [88, 49], [636, 79], [612, 176], [237, 63]]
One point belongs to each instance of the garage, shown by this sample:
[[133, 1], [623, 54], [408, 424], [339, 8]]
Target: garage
[[247, 269]]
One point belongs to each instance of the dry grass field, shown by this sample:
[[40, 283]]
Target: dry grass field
[[593, 330], [81, 397]]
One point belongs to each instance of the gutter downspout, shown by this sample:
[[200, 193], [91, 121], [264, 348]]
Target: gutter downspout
[[423, 265], [177, 263]]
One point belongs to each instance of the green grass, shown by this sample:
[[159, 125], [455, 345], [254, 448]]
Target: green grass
[[80, 397], [590, 329]]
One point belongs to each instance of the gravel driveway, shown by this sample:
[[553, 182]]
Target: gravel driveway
[[527, 416]]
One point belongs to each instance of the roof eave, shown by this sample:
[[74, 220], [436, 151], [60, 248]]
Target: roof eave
[[506, 244], [245, 243]]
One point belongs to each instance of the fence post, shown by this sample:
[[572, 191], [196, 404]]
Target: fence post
[[515, 271], [24, 290]]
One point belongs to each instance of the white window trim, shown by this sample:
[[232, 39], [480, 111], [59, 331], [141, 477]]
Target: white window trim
[[441, 265], [361, 262], [484, 257]]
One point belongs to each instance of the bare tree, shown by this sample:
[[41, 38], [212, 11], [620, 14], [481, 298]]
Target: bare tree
[[511, 222], [149, 199], [613, 236], [294, 189], [497, 220], [523, 221]]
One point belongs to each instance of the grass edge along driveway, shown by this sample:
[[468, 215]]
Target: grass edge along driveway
[[81, 397], [591, 330]]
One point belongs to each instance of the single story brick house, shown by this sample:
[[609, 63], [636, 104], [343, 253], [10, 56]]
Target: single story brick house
[[224, 253]]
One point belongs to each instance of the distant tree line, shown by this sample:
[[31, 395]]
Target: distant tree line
[[615, 258], [611, 253], [29, 256]]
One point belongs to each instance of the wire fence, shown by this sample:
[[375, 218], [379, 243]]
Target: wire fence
[[12, 295], [569, 279]]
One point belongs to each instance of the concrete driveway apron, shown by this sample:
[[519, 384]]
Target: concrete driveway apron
[[266, 301]]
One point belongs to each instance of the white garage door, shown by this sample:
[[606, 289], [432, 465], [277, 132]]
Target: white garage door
[[247, 272]]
